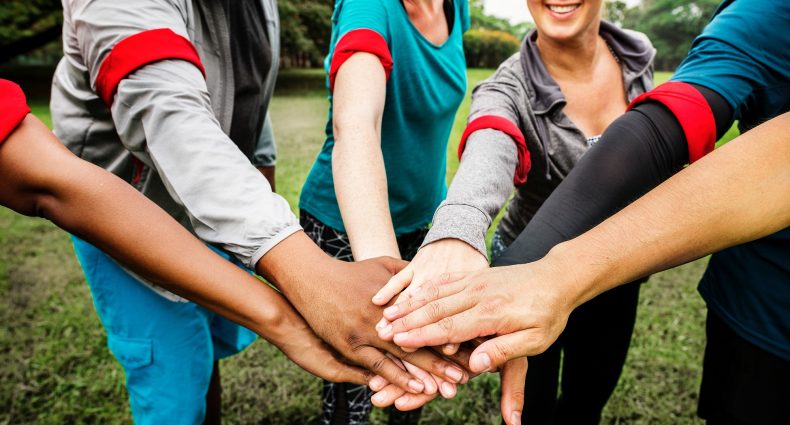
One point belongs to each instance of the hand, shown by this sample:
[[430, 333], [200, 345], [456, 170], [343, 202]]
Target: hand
[[333, 297], [288, 331], [525, 306], [513, 377], [433, 260]]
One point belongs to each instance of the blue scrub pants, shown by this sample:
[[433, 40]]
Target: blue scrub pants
[[167, 348]]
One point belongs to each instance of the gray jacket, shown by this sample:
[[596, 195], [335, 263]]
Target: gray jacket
[[523, 92], [173, 120]]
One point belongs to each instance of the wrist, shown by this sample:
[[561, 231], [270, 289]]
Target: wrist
[[577, 274], [294, 265]]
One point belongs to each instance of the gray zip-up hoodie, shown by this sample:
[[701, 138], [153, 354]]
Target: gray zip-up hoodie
[[523, 92], [165, 128]]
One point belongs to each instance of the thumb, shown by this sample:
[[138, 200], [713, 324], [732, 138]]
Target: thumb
[[336, 371], [394, 286], [514, 375], [495, 352]]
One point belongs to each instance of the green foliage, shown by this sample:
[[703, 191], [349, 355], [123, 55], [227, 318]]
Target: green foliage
[[24, 18], [480, 20], [306, 30], [671, 25], [486, 48]]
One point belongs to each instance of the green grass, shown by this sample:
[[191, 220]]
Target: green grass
[[54, 367]]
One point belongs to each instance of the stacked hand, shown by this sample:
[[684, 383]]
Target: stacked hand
[[430, 270], [334, 299]]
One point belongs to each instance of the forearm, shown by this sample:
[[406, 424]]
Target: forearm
[[361, 188], [479, 190], [736, 194], [357, 161], [41, 177], [163, 114]]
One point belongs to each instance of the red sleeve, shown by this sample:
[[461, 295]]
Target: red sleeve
[[362, 40], [13, 108], [692, 112], [136, 51], [493, 122]]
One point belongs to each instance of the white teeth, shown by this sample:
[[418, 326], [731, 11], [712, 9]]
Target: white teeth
[[563, 9]]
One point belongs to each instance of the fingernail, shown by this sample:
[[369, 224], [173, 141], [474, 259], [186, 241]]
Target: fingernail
[[399, 337], [416, 386], [402, 401], [381, 324], [448, 390], [386, 331], [515, 418], [377, 398], [377, 298], [377, 383], [430, 387], [391, 310], [485, 360], [454, 374]]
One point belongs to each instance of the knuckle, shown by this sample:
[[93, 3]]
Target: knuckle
[[445, 324], [502, 351], [378, 364], [479, 288], [354, 342], [445, 278], [490, 308], [434, 311]]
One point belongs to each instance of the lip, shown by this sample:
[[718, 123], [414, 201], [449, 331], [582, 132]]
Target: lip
[[563, 15]]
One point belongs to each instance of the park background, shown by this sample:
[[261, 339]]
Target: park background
[[54, 365]]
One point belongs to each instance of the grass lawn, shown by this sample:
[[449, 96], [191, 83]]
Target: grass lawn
[[54, 367]]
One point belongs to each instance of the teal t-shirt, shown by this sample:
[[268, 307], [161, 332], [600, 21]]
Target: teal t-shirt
[[744, 55], [425, 87]]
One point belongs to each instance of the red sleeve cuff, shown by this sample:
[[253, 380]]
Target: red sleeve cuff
[[13, 108], [136, 51], [493, 122], [692, 112], [363, 40]]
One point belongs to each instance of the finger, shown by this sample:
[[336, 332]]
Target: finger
[[447, 389], [386, 396], [450, 349], [492, 354], [432, 363], [413, 401], [375, 361], [454, 329], [433, 312], [394, 286], [333, 370], [394, 265], [420, 297], [344, 373], [378, 383], [514, 375], [431, 386]]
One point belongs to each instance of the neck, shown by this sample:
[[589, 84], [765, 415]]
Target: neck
[[571, 58]]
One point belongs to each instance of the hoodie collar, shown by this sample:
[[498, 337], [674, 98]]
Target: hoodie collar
[[634, 53]]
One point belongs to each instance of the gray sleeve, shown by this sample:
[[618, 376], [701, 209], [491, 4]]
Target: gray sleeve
[[265, 154], [485, 175], [163, 115]]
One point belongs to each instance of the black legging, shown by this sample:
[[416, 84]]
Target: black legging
[[637, 152]]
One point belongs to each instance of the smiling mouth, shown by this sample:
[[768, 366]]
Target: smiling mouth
[[563, 9]]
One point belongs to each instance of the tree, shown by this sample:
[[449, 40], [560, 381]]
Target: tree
[[671, 25], [26, 25]]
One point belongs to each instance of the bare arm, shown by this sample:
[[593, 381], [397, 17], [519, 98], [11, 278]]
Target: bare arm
[[357, 161], [41, 177], [738, 193]]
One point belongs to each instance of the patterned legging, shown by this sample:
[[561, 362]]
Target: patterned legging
[[349, 404]]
